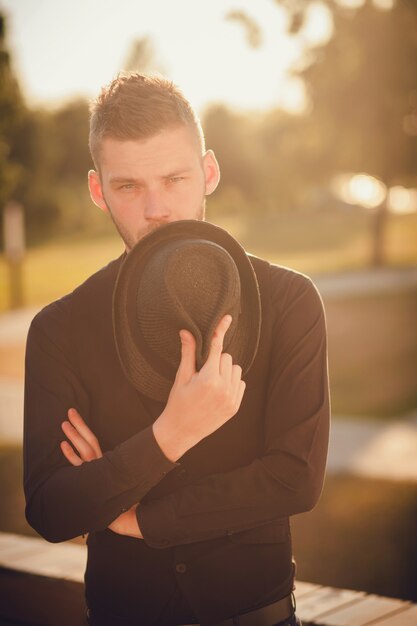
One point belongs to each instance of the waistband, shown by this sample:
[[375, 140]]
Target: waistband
[[265, 616]]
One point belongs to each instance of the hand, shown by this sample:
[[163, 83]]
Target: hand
[[88, 448], [199, 402], [82, 438]]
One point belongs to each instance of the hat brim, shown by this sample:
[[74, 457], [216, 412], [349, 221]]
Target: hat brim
[[140, 372]]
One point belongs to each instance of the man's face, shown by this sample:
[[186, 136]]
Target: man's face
[[146, 183]]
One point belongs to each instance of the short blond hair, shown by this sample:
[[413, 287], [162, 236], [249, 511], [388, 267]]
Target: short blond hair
[[138, 106]]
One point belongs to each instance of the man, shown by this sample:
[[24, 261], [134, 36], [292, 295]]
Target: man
[[186, 502]]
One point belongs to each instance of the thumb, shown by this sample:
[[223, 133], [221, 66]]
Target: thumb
[[186, 368]]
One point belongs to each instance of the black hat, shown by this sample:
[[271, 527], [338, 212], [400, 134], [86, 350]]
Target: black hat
[[184, 275]]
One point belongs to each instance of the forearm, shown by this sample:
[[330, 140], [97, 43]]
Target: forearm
[[273, 486], [287, 471], [75, 500], [63, 501]]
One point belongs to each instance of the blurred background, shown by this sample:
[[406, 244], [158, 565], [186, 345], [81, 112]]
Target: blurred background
[[311, 109]]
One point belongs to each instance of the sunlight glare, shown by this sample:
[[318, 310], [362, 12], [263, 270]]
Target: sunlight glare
[[360, 189], [384, 5], [401, 200], [318, 27], [351, 4]]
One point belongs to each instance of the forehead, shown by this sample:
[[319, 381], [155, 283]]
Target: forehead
[[169, 148]]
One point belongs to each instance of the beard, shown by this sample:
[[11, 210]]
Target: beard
[[130, 239]]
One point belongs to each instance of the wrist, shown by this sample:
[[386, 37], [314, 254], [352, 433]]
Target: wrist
[[127, 524], [169, 437]]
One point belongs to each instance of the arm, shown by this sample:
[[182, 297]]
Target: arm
[[88, 448], [65, 501], [207, 397], [287, 478], [62, 501]]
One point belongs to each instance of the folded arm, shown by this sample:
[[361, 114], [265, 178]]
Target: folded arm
[[287, 477], [88, 448], [64, 501]]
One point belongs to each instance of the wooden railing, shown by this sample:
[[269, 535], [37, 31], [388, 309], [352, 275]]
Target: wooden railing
[[41, 584]]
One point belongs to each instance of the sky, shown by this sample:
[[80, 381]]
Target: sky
[[62, 49]]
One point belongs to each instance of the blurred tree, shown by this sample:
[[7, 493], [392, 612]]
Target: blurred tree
[[22, 152], [142, 57], [52, 151], [289, 171], [252, 30], [69, 127], [268, 161], [12, 115], [66, 161], [33, 190], [233, 138], [363, 85], [296, 12]]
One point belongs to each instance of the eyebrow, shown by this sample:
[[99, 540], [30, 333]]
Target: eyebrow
[[123, 179], [130, 180]]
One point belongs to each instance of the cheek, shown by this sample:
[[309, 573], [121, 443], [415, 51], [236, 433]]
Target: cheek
[[195, 191], [122, 205]]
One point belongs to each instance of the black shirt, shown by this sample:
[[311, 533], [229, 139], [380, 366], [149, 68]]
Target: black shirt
[[215, 524]]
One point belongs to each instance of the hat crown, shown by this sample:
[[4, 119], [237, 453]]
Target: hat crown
[[185, 274], [188, 284]]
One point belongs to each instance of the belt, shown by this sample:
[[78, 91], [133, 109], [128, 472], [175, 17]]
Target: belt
[[265, 616]]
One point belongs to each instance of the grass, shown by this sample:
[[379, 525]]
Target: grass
[[309, 242], [361, 535], [56, 268], [327, 241]]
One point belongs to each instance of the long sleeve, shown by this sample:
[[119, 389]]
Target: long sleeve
[[287, 477], [63, 501]]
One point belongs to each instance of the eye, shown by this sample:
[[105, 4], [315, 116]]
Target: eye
[[175, 179], [127, 187]]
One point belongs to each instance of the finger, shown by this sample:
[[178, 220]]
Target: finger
[[216, 348], [240, 393], [69, 454], [236, 375], [186, 368], [83, 448], [87, 434], [226, 366]]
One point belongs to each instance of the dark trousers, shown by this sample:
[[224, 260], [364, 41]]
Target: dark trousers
[[293, 621], [94, 619], [175, 611]]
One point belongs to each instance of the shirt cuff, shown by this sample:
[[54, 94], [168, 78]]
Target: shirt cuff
[[142, 461], [161, 527]]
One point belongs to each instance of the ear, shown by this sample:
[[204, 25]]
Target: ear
[[211, 171], [96, 192]]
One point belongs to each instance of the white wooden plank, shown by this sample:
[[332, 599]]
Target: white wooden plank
[[302, 588], [408, 617], [323, 600], [328, 605], [36, 556], [367, 609], [14, 545], [58, 562]]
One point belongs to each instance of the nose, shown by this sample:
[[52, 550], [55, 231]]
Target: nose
[[155, 207]]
